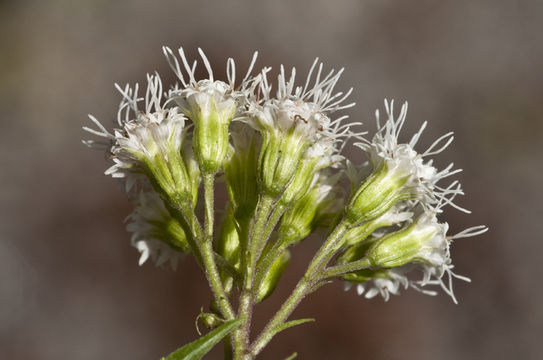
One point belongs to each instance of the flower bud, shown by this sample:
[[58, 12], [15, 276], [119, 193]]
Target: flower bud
[[241, 170], [210, 104], [394, 216], [296, 125], [228, 244], [279, 160], [377, 194], [193, 170], [301, 182], [310, 211], [211, 109], [150, 142], [424, 241], [210, 320], [268, 284]]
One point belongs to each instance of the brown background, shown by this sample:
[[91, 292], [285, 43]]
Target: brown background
[[70, 287]]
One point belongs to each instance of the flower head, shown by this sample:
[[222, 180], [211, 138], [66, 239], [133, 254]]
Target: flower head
[[148, 141], [296, 125], [155, 233], [399, 172], [423, 245], [210, 104]]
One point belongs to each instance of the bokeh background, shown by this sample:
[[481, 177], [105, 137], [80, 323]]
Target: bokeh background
[[70, 287]]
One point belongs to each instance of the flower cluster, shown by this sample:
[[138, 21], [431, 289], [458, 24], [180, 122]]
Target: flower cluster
[[280, 152], [394, 210]]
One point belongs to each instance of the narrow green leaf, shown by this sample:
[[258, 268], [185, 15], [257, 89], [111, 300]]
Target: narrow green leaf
[[289, 324], [293, 356], [197, 349]]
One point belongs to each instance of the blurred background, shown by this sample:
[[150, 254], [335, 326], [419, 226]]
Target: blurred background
[[70, 286]]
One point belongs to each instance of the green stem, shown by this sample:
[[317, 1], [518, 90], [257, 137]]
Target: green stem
[[302, 289], [338, 270], [194, 247], [274, 219], [209, 206], [228, 348], [206, 250], [305, 286], [256, 237], [267, 259]]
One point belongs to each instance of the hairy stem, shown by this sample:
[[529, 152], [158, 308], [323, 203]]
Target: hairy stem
[[304, 287], [338, 270], [209, 197], [256, 237], [274, 219], [268, 258], [206, 250]]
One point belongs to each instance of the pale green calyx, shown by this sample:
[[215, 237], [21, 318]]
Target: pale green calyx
[[424, 241], [311, 211], [228, 246], [400, 172], [296, 127], [149, 142], [268, 284], [241, 170], [211, 108], [279, 159], [396, 215], [193, 170], [318, 157], [377, 194], [211, 105]]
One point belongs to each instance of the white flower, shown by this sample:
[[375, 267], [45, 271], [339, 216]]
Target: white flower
[[195, 94], [155, 233], [146, 136], [423, 246], [389, 283], [296, 128], [304, 110], [419, 177], [211, 105]]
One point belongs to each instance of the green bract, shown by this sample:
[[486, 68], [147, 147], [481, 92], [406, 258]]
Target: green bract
[[211, 110], [279, 160], [424, 241], [241, 172], [377, 194], [271, 279]]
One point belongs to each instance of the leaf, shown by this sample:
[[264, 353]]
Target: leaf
[[289, 324], [292, 356], [197, 349]]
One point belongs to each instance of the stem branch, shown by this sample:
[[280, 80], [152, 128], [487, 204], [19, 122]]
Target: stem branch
[[338, 270], [255, 240], [204, 242], [304, 287]]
